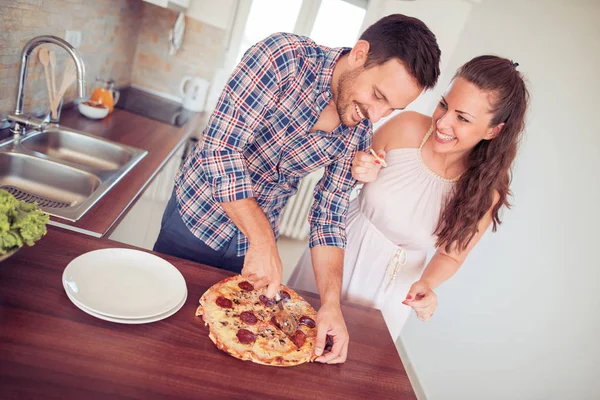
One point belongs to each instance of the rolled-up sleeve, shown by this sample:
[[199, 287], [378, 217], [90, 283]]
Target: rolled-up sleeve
[[328, 213], [248, 96]]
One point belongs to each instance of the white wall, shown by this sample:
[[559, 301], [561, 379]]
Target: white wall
[[520, 320]]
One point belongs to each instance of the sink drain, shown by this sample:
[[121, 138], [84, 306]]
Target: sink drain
[[32, 198]]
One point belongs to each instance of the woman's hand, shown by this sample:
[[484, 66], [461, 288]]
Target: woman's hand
[[422, 299], [365, 167]]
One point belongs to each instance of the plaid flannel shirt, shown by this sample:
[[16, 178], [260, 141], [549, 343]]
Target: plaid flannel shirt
[[258, 144]]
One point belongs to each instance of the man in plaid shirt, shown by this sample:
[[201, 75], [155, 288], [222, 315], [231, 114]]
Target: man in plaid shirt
[[289, 108]]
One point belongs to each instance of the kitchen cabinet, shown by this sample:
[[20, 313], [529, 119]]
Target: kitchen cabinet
[[176, 5], [181, 3], [141, 224], [216, 13]]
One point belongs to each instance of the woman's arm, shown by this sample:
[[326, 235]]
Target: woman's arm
[[442, 267]]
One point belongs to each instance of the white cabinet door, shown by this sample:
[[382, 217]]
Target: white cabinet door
[[216, 13], [177, 5], [141, 224], [160, 3], [182, 3]]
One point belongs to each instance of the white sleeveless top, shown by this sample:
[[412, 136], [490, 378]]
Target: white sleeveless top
[[405, 201], [389, 231]]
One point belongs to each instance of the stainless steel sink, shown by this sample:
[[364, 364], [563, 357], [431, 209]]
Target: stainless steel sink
[[48, 183], [65, 171], [76, 148]]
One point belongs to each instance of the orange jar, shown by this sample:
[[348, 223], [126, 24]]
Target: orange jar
[[105, 93]]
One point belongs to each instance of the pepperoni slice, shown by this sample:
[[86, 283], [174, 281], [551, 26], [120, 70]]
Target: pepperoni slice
[[299, 338], [224, 303], [245, 336], [274, 322], [266, 301], [284, 295], [304, 320], [248, 317], [245, 285]]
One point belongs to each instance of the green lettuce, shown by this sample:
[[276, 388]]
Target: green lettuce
[[20, 223]]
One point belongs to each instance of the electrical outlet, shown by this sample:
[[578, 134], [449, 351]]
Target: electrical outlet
[[74, 38]]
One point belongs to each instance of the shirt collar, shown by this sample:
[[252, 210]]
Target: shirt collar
[[326, 72]]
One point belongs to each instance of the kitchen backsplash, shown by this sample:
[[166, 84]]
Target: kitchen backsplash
[[126, 40]]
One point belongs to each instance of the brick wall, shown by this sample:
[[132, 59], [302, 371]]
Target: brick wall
[[201, 52], [107, 47]]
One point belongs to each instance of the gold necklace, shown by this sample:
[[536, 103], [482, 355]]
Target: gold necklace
[[456, 178]]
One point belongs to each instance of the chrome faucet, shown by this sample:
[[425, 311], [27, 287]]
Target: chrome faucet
[[22, 121]]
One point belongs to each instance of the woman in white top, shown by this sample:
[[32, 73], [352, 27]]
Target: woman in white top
[[447, 177]]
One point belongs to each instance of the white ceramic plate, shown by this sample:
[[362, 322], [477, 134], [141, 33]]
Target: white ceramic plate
[[129, 320], [124, 283]]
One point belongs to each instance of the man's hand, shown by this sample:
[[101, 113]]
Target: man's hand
[[262, 267], [330, 321]]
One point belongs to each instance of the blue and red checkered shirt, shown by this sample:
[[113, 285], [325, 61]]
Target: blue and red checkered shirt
[[258, 144]]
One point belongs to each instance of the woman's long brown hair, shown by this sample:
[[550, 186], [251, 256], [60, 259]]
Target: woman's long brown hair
[[489, 163]]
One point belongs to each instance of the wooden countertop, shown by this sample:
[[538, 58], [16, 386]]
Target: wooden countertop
[[161, 140], [51, 349]]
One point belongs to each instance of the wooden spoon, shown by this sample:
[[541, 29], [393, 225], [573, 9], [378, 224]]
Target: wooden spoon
[[53, 70], [45, 60], [68, 78]]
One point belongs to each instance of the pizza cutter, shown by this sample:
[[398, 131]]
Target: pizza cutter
[[284, 319]]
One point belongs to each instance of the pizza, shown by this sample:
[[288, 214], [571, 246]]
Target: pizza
[[241, 322]]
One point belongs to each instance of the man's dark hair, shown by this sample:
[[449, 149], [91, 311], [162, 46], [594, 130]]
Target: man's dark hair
[[409, 40]]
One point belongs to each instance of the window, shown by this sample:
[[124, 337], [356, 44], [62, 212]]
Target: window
[[338, 23], [267, 17], [332, 23]]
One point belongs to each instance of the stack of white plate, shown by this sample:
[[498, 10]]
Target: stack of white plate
[[124, 286]]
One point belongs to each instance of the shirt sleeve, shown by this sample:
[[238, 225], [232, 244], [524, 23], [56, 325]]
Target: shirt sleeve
[[248, 97], [328, 213]]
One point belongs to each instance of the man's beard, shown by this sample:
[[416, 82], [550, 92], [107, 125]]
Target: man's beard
[[342, 96]]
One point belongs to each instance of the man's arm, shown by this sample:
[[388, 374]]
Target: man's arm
[[251, 92], [327, 242], [328, 263], [262, 266]]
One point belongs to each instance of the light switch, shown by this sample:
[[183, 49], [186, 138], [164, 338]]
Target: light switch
[[74, 38]]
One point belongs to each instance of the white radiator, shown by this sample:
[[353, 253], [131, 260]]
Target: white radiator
[[293, 221]]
